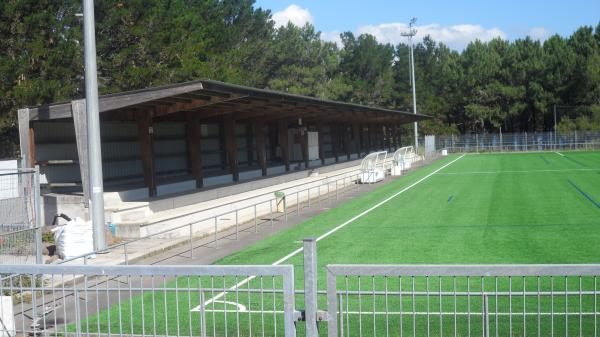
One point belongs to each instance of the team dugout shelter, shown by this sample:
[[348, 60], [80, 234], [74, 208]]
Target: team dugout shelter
[[198, 135]]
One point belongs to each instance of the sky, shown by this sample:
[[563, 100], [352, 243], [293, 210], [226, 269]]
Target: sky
[[455, 23]]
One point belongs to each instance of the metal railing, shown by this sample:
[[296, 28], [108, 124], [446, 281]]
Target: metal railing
[[52, 300], [361, 300], [20, 216], [243, 218], [511, 142], [252, 216], [462, 300]]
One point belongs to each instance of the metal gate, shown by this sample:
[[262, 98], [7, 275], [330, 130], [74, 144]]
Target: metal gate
[[20, 225]]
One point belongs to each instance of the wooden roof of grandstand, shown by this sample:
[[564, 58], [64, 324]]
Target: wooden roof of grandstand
[[215, 100]]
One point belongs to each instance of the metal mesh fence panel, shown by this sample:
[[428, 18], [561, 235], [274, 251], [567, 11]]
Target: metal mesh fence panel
[[506, 142], [44, 300], [20, 232], [525, 300]]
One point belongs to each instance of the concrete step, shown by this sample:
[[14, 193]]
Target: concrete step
[[169, 213]]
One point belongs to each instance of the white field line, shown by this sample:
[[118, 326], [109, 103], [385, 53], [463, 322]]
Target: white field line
[[558, 153], [516, 171], [333, 230]]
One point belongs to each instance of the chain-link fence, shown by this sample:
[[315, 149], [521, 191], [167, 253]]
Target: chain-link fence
[[20, 225], [525, 141]]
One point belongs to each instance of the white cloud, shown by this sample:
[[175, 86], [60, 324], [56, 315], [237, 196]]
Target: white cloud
[[539, 33], [457, 36], [332, 37], [294, 14]]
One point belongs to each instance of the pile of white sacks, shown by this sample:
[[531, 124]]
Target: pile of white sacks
[[74, 239]]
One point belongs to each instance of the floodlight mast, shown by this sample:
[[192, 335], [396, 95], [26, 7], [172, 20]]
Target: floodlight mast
[[412, 32], [93, 127]]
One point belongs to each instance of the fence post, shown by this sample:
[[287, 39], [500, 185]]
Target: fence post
[[38, 215], [255, 223], [332, 305], [216, 243], [486, 316], [310, 286], [191, 243]]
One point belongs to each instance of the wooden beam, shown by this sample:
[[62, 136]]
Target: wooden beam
[[369, 148], [334, 141], [356, 137], [194, 148], [361, 140], [390, 137], [347, 139], [146, 139], [78, 109], [222, 146], [249, 145], [25, 138], [231, 145], [259, 140], [284, 143], [304, 146], [321, 143], [196, 105]]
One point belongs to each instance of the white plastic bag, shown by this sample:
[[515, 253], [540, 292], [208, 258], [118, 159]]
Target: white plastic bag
[[74, 239]]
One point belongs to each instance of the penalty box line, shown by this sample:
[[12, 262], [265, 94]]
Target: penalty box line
[[328, 233]]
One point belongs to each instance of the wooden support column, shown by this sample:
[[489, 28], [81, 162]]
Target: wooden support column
[[273, 135], [361, 139], [335, 141], [194, 148], [369, 131], [284, 143], [304, 147], [388, 137], [356, 136], [146, 139], [26, 141], [81, 140], [249, 145], [399, 136], [347, 140], [321, 143], [259, 140], [231, 145], [222, 146]]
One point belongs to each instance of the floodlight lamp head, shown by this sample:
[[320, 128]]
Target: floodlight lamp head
[[413, 20]]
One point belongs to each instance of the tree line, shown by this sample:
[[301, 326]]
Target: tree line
[[508, 85]]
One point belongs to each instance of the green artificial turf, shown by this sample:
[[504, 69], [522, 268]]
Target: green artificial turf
[[521, 208]]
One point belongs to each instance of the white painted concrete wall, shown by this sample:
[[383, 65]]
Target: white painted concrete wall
[[9, 184]]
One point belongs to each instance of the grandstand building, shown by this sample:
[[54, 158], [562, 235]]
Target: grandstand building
[[198, 136]]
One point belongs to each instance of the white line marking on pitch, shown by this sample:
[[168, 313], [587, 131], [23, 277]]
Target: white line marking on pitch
[[558, 153], [333, 230], [516, 171]]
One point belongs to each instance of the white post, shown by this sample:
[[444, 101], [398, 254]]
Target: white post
[[7, 328], [414, 92]]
